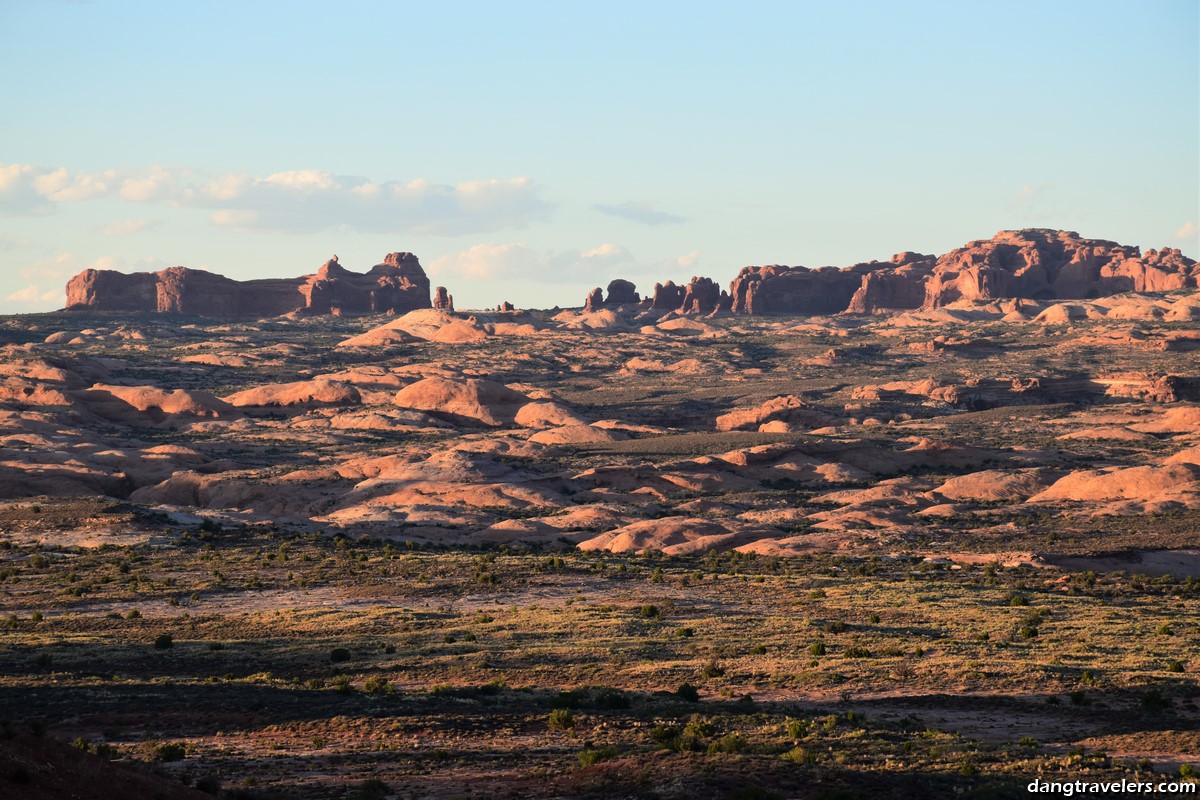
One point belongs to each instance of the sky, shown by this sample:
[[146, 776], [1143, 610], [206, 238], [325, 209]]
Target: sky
[[529, 151]]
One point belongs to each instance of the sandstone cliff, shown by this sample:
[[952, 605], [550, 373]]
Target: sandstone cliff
[[1037, 264], [397, 285]]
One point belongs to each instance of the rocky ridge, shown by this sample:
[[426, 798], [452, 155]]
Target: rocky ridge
[[396, 285]]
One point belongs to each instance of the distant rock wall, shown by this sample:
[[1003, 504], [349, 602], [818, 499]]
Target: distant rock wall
[[1037, 264], [397, 285]]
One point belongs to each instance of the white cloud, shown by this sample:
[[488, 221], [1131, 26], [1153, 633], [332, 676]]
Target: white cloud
[[688, 260], [488, 261], [237, 219], [1187, 232], [519, 260], [18, 195], [44, 281], [128, 227], [607, 253], [297, 200], [35, 295]]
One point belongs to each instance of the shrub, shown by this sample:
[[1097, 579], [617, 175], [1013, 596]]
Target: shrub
[[729, 743], [339, 654], [816, 649], [800, 755], [561, 720], [372, 789], [592, 755], [688, 692], [712, 669], [164, 642], [797, 729], [613, 699], [1153, 700], [649, 611], [168, 751], [857, 652], [377, 684], [1175, 666]]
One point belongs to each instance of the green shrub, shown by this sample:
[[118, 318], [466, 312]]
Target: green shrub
[[800, 755], [167, 751], [729, 743], [592, 756], [377, 684], [164, 642], [561, 720], [797, 729], [688, 692]]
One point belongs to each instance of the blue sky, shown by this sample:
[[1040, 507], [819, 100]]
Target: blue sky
[[529, 151]]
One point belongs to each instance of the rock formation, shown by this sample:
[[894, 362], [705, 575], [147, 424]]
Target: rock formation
[[443, 300], [620, 292], [395, 286], [793, 290], [1035, 264]]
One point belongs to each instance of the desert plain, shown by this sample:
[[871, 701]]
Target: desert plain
[[610, 551]]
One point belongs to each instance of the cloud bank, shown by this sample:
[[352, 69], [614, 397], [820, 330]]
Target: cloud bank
[[295, 201]]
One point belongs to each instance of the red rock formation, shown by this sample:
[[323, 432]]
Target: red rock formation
[[443, 300], [1035, 264], [701, 296], [397, 285], [793, 290], [1053, 265], [667, 296], [900, 287], [621, 292]]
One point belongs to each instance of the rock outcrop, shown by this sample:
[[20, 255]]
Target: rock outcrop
[[1034, 264], [397, 285], [620, 292]]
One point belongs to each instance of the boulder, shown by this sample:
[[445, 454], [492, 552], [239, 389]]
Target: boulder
[[469, 401], [308, 394]]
